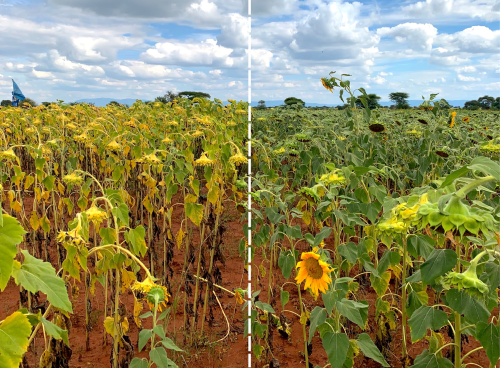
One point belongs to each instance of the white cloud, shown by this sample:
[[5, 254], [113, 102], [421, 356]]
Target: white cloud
[[473, 9], [466, 69], [42, 75], [476, 39], [205, 53], [467, 79], [416, 36]]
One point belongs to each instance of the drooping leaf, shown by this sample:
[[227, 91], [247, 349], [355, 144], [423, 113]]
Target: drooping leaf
[[136, 238], [370, 350], [55, 331], [144, 337], [194, 211], [15, 331], [35, 275], [318, 317], [11, 234], [286, 262], [169, 344], [353, 311]]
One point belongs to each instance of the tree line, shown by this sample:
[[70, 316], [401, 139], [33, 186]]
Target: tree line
[[400, 100]]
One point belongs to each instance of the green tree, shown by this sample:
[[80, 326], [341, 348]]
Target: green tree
[[191, 95], [400, 99], [6, 103], [486, 101], [114, 103], [262, 104], [372, 102], [496, 104], [167, 97], [472, 105], [294, 101]]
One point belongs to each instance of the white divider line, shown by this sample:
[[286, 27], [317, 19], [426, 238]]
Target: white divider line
[[249, 242]]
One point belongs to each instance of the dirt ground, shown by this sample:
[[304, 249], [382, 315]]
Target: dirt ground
[[216, 348]]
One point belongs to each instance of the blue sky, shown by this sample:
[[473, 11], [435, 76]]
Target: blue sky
[[450, 47], [75, 49]]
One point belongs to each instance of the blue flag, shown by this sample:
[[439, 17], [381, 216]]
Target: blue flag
[[16, 93]]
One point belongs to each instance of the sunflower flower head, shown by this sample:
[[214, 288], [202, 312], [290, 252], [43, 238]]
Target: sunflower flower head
[[335, 178], [315, 273], [239, 294], [96, 215], [466, 119], [113, 146], [238, 159], [157, 296], [8, 154], [204, 161], [326, 84], [73, 179]]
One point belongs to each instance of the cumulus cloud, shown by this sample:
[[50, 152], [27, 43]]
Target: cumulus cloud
[[415, 36], [476, 39], [204, 53], [487, 10]]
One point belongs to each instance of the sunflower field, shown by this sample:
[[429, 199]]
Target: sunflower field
[[120, 234], [375, 236]]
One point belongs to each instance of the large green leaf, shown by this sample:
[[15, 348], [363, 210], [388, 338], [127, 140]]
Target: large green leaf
[[35, 275], [427, 360], [160, 358], [472, 308], [336, 346], [439, 262], [489, 336], [11, 234], [55, 331], [423, 319], [370, 350], [15, 331], [318, 317], [138, 363], [353, 311], [136, 238]]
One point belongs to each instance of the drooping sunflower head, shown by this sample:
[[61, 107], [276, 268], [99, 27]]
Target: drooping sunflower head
[[96, 215], [149, 159], [113, 146], [8, 154], [326, 84], [73, 179], [204, 161], [167, 140], [238, 159], [315, 273]]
